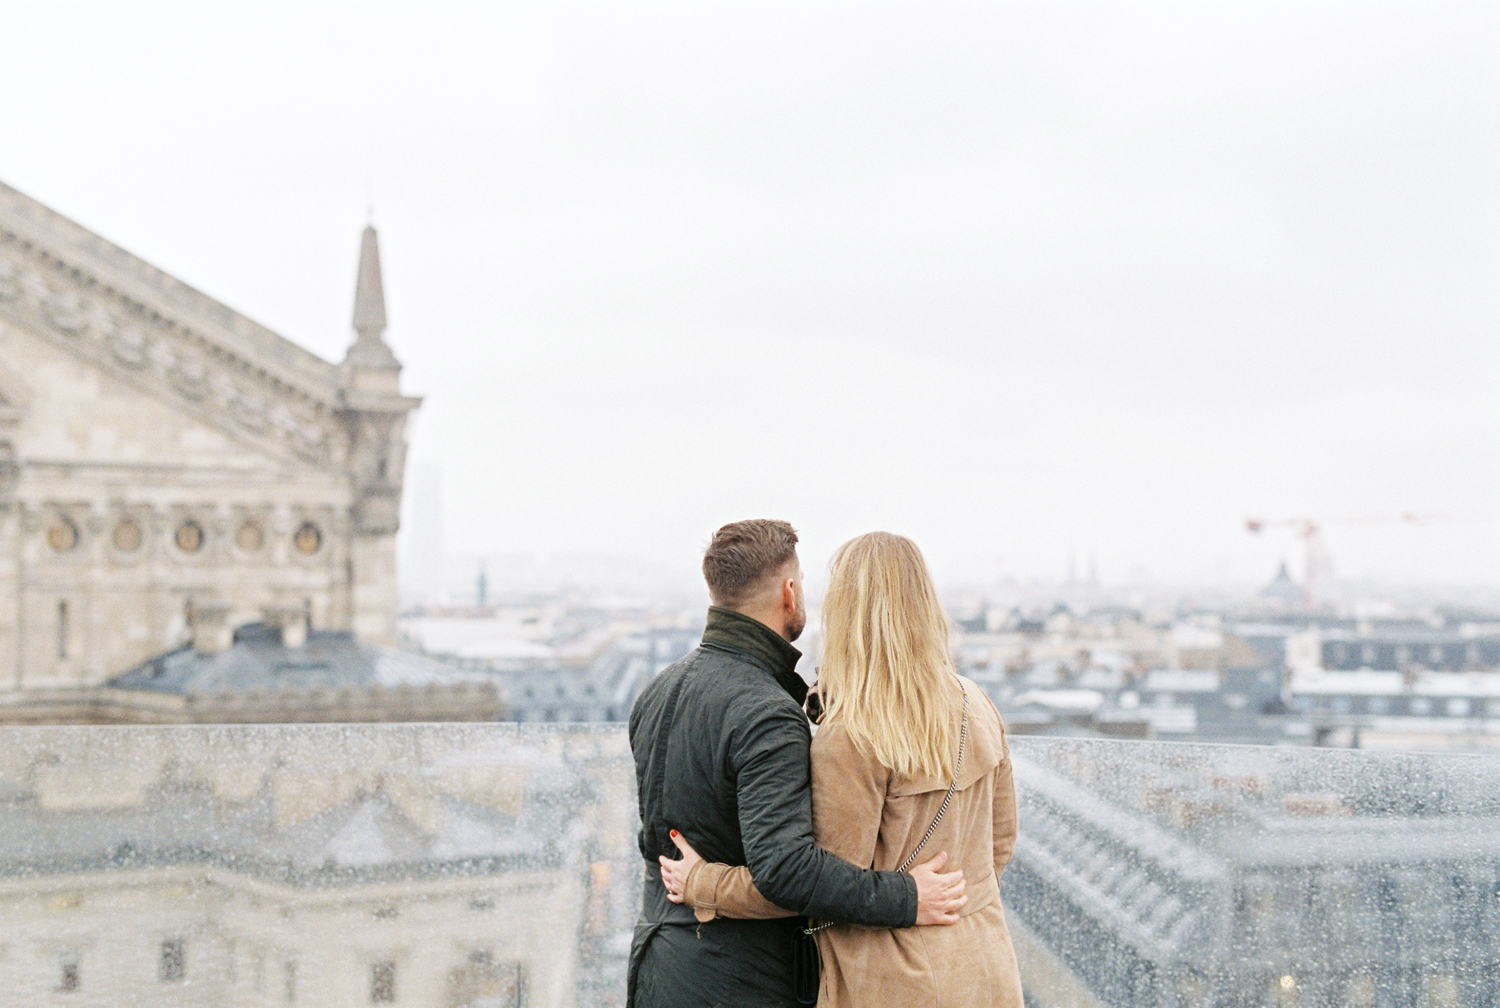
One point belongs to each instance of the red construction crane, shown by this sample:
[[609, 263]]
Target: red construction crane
[[1317, 566]]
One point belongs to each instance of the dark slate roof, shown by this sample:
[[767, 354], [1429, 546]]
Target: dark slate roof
[[374, 831], [258, 661], [365, 839]]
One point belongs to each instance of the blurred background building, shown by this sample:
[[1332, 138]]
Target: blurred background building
[[170, 471]]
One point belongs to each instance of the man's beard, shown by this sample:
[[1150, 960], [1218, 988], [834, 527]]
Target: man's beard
[[797, 622]]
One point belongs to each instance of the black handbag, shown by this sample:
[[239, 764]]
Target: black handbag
[[805, 963]]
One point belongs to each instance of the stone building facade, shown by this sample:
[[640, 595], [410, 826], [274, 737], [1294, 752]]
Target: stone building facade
[[469, 866], [169, 469]]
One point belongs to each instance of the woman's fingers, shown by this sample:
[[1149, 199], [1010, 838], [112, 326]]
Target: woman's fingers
[[673, 878], [685, 847], [935, 863], [674, 871]]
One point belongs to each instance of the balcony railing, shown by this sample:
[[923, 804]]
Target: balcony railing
[[495, 865]]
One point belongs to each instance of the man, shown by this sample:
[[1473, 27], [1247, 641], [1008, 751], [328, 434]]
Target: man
[[721, 753]]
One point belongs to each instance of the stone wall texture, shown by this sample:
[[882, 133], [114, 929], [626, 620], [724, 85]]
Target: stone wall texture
[[162, 458]]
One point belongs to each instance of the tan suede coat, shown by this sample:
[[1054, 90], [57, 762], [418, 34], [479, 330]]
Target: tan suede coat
[[873, 818]]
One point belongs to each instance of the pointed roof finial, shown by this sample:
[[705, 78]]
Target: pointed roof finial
[[369, 349], [369, 293]]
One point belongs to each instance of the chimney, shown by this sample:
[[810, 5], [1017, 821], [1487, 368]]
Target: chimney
[[291, 620], [210, 625]]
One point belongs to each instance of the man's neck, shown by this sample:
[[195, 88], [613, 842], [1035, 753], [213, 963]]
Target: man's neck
[[776, 623], [734, 629]]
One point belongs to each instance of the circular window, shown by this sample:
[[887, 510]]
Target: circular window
[[127, 535], [308, 538], [189, 537], [249, 537], [62, 535]]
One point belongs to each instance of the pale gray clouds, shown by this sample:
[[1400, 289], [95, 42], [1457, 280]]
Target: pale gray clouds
[[1018, 280]]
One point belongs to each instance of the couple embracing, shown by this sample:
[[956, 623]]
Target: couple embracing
[[856, 867]]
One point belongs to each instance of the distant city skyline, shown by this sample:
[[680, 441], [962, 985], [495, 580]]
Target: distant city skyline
[[1024, 283]]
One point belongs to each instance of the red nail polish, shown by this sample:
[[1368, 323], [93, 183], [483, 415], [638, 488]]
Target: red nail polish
[[674, 832]]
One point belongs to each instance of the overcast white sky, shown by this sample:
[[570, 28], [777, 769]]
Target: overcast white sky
[[1018, 280]]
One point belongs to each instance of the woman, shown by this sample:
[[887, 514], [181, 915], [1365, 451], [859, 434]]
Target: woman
[[883, 761]]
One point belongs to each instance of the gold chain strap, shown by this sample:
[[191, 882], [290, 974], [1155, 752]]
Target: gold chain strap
[[963, 739]]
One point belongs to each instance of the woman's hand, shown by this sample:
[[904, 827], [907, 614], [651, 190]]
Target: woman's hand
[[674, 874]]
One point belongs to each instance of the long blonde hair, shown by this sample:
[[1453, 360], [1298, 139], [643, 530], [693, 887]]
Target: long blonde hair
[[886, 672]]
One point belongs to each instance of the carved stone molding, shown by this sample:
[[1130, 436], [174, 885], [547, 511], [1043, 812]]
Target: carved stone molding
[[15, 397], [185, 535], [10, 471], [115, 333], [376, 464]]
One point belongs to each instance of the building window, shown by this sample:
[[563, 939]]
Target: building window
[[127, 535], [249, 537], [1420, 706], [1378, 705], [189, 537], [62, 535], [383, 983], [482, 980], [67, 971], [307, 539], [173, 960], [1458, 707], [62, 631]]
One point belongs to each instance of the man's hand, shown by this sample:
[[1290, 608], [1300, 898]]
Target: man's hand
[[674, 873], [939, 897]]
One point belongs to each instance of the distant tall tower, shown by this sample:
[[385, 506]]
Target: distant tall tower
[[374, 414], [482, 587]]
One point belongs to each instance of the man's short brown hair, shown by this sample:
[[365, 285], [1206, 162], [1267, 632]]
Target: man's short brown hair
[[742, 554]]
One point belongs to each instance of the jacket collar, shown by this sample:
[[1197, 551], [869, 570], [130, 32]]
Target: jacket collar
[[765, 647]]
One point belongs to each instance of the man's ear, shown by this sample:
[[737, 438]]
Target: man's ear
[[789, 594]]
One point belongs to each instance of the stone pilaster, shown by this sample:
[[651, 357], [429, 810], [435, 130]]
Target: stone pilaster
[[11, 404], [374, 588], [10, 592]]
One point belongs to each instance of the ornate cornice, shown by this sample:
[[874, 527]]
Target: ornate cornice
[[125, 335], [161, 292]]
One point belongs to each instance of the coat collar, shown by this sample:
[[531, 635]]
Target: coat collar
[[732, 631]]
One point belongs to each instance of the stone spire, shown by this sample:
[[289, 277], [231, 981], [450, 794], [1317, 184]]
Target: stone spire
[[374, 413], [370, 349]]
